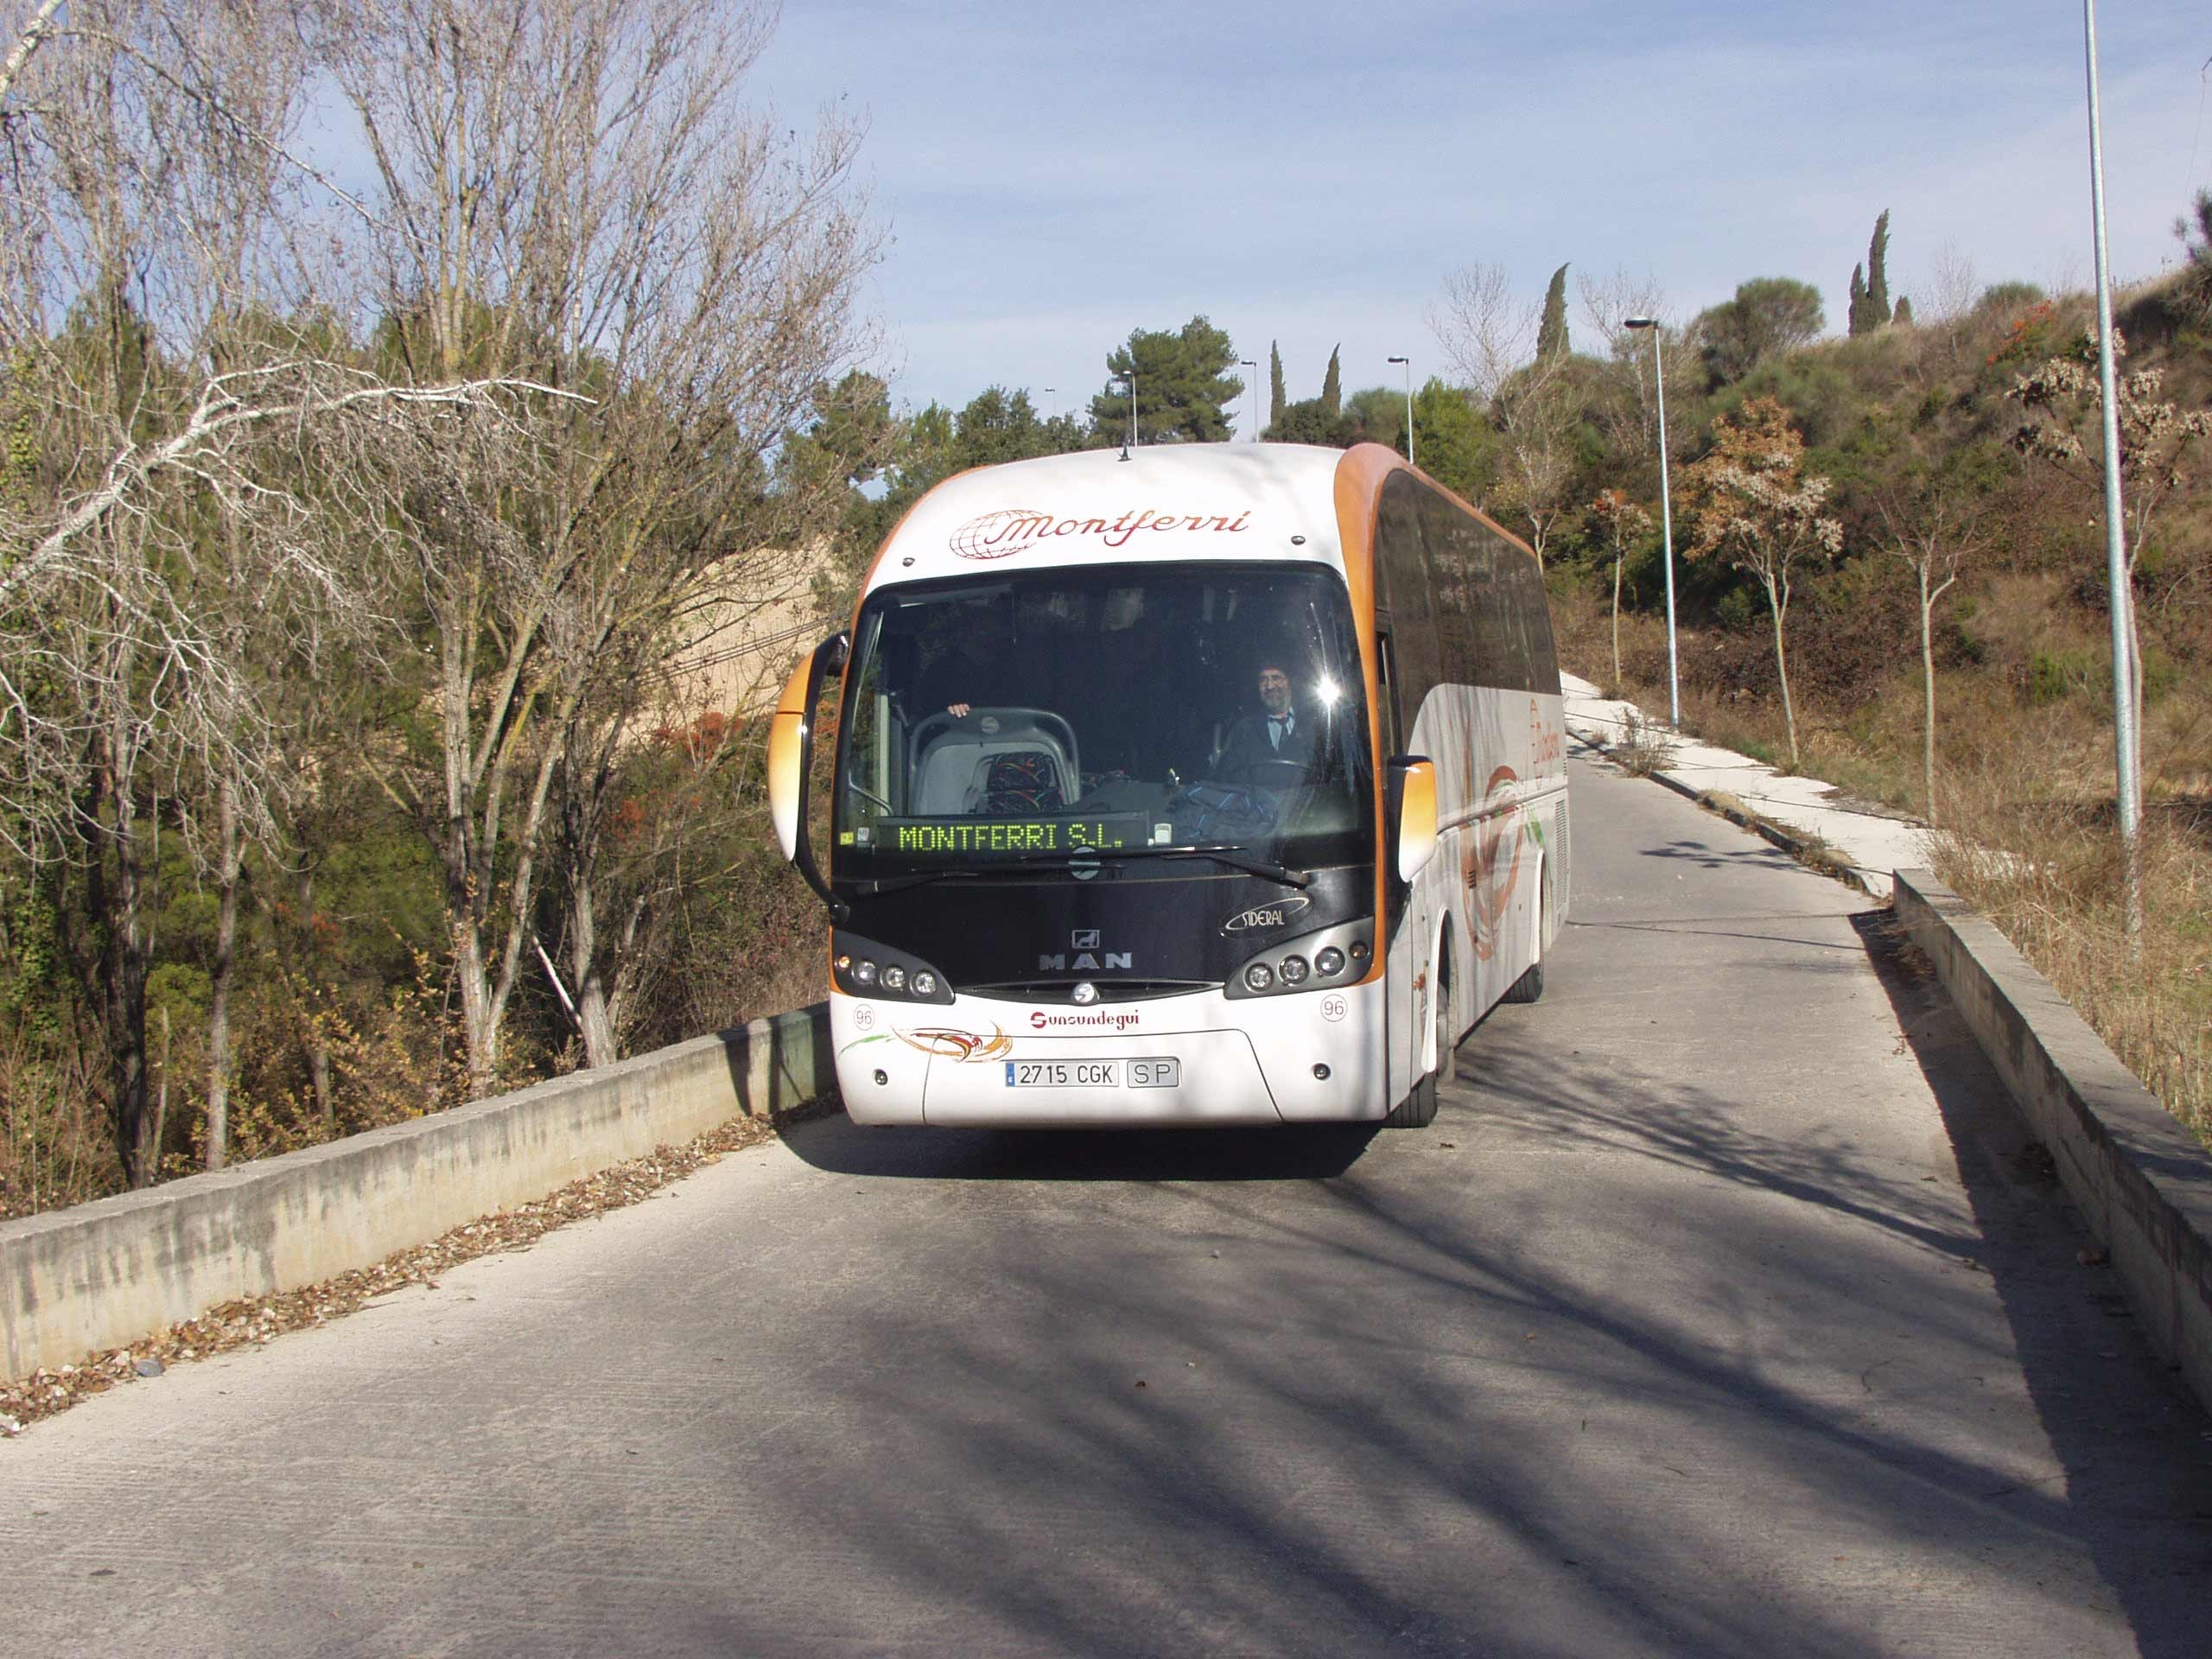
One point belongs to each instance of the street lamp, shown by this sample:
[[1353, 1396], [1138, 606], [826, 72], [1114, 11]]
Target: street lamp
[[1052, 393], [1131, 376], [1408, 362], [1666, 512], [2126, 754], [1247, 363]]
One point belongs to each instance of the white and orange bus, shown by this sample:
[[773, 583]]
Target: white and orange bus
[[1202, 784]]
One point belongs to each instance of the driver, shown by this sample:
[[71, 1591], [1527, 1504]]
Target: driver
[[1280, 732]]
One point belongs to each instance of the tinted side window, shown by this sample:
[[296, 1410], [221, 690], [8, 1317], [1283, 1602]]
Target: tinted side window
[[1402, 565], [1492, 625]]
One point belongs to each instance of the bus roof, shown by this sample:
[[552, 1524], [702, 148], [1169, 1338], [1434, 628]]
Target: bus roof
[[1164, 502]]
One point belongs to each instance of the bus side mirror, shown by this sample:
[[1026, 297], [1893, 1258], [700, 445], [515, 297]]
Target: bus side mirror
[[790, 757], [1412, 804]]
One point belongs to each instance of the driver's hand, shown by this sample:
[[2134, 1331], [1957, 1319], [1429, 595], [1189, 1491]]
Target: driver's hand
[[957, 710]]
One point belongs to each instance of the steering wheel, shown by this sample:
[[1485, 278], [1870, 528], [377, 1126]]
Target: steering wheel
[[1271, 773]]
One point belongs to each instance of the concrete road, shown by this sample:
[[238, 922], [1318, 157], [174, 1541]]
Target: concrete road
[[1722, 1312]]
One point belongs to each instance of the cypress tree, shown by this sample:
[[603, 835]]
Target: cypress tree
[[1855, 320], [1551, 332], [1878, 276], [1902, 317], [1276, 399], [1332, 384]]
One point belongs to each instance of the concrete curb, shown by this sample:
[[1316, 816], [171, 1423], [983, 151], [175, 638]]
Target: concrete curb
[[100, 1274], [2142, 1181]]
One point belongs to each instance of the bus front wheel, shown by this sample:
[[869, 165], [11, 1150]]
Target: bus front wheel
[[1418, 1109]]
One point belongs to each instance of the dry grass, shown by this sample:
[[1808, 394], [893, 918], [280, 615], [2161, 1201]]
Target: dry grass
[[1645, 747], [2054, 891]]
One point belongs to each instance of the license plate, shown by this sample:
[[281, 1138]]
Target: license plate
[[1063, 1074]]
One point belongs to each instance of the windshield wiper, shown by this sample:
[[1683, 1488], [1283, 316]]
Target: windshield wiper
[[1232, 854]]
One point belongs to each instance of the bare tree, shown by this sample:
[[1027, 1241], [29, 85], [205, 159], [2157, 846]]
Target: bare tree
[[1758, 509], [1488, 335], [162, 315], [1936, 524], [143, 213], [1621, 521], [573, 189]]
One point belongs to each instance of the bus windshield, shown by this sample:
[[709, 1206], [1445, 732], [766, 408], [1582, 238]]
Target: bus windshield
[[1033, 716]]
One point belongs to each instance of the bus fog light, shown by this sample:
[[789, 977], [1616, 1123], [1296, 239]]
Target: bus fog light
[[1320, 1074], [882, 1077], [1330, 962], [924, 983], [1295, 970], [1259, 977], [1359, 951], [894, 978], [844, 961], [1085, 994], [863, 972]]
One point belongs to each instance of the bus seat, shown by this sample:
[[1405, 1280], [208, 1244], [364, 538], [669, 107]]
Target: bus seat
[[958, 768]]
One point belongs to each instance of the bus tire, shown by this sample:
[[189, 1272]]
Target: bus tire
[[1529, 987], [1418, 1109]]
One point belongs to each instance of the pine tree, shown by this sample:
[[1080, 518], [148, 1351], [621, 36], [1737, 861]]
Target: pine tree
[[1276, 397], [1856, 319], [1878, 276], [1551, 332], [1333, 385]]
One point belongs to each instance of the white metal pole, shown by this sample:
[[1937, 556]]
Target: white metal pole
[[1666, 511], [1408, 362], [1410, 461], [1247, 363], [2127, 755]]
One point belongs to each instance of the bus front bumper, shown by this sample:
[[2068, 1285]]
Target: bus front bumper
[[1315, 1057]]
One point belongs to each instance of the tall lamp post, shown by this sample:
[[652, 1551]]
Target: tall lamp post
[[1666, 512], [1408, 362], [1131, 376], [1053, 408], [2127, 755], [1247, 363]]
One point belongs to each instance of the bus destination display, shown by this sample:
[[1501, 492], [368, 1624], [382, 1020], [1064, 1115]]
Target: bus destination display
[[1004, 837]]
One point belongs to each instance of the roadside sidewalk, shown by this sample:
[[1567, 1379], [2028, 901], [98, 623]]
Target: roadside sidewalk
[[1871, 842]]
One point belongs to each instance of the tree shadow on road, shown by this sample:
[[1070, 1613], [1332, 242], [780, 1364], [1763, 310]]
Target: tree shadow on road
[[1359, 1412]]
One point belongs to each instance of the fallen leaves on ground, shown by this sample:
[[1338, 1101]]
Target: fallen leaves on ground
[[254, 1320]]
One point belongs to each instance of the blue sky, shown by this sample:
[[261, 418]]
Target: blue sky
[[1054, 176]]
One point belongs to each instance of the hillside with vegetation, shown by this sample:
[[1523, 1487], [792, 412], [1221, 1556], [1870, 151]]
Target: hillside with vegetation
[[353, 549]]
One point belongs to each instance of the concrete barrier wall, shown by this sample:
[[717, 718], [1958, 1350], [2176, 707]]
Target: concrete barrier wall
[[2143, 1180], [98, 1275]]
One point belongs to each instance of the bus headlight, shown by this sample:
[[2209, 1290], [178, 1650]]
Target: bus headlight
[[861, 967], [1305, 964]]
